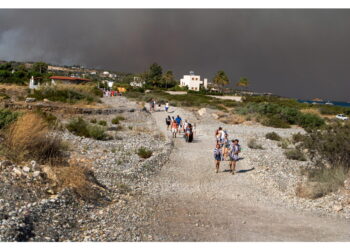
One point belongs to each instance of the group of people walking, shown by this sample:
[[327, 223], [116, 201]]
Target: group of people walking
[[226, 150], [178, 126], [153, 106]]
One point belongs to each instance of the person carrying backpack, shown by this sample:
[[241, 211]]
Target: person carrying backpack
[[235, 150], [168, 122], [217, 157]]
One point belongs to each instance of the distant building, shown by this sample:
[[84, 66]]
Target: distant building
[[67, 79], [34, 82], [193, 82], [137, 82]]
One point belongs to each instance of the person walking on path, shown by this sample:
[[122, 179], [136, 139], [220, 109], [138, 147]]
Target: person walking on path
[[174, 127], [178, 120], [166, 106], [168, 122], [218, 134], [235, 150], [226, 144], [217, 157]]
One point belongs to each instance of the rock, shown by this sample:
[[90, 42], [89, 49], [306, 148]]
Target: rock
[[347, 184], [17, 172], [33, 164], [29, 99], [216, 116], [5, 164], [36, 174], [202, 111], [26, 169], [46, 100], [337, 208]]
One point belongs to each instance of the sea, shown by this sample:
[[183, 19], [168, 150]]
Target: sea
[[342, 104]]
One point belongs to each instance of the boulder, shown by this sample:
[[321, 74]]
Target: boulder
[[202, 111], [216, 116], [26, 169], [17, 172], [30, 99], [347, 184], [337, 208], [36, 174]]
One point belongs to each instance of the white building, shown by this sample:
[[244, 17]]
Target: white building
[[137, 82], [34, 83], [193, 82]]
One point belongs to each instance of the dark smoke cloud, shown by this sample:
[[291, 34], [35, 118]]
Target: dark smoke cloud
[[296, 53]]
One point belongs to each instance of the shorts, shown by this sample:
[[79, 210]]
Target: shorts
[[234, 157], [174, 130], [166, 108], [217, 157]]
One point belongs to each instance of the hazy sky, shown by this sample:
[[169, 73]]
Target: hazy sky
[[295, 53]]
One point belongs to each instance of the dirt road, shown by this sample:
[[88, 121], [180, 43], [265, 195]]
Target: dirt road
[[196, 204]]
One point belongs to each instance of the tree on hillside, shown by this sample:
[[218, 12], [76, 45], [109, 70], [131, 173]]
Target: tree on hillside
[[155, 74], [168, 79], [40, 67], [243, 82], [221, 79]]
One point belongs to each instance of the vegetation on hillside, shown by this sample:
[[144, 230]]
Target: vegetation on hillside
[[68, 93], [18, 73], [80, 127], [29, 138]]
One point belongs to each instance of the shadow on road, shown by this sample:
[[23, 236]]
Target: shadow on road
[[245, 170]]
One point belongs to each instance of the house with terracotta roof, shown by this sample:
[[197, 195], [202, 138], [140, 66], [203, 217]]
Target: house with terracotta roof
[[68, 80]]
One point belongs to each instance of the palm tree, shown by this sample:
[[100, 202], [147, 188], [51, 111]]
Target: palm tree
[[221, 79], [243, 82]]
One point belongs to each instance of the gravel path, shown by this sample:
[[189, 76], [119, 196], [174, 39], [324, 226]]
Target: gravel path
[[193, 203]]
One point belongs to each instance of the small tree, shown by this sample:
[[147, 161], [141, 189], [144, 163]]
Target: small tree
[[40, 67], [243, 82], [155, 73], [168, 79], [221, 79]]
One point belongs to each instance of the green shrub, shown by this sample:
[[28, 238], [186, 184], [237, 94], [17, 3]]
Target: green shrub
[[331, 144], [102, 123], [298, 137], [273, 136], [284, 143], [274, 122], [64, 94], [144, 153], [117, 119], [295, 154], [253, 144], [93, 120], [96, 132], [7, 117], [310, 121], [80, 127]]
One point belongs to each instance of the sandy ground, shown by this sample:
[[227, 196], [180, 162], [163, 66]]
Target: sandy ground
[[228, 97], [193, 203]]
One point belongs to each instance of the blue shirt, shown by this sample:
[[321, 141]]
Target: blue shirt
[[178, 120]]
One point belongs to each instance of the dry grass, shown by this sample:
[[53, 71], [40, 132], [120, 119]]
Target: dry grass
[[232, 119], [321, 182], [80, 180], [311, 111], [28, 138]]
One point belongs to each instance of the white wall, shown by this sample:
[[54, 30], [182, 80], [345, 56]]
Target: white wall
[[192, 81]]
